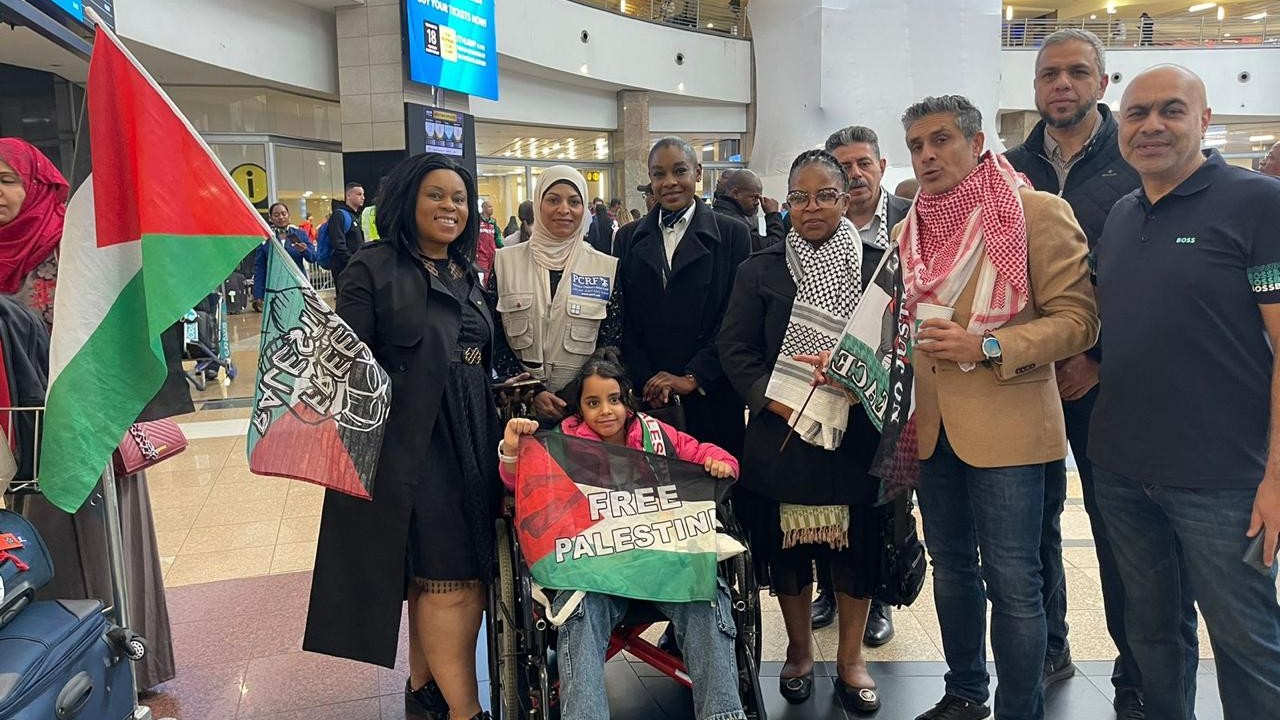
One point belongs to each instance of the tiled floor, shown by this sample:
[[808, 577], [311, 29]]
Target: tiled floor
[[237, 550]]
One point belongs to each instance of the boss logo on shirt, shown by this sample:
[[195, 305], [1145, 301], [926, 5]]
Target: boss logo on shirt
[[1185, 241]]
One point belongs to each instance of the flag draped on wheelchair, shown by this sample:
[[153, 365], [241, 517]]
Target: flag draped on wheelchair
[[607, 519]]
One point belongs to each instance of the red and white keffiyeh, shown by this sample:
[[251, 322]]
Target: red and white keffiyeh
[[979, 225]]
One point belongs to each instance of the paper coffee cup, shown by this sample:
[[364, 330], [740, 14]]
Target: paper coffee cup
[[926, 311]]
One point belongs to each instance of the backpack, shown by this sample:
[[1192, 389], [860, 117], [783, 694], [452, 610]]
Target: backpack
[[324, 242]]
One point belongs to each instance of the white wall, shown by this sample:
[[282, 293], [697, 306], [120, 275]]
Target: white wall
[[825, 64], [629, 53], [1218, 67], [534, 100], [675, 115], [277, 40]]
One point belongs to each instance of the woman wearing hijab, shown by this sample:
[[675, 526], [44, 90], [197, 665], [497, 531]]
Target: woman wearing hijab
[[807, 497], [33, 203], [33, 196], [558, 298]]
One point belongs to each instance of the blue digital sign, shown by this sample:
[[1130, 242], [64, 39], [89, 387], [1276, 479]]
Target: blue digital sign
[[74, 9], [452, 45]]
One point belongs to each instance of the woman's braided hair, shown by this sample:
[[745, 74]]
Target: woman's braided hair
[[819, 157]]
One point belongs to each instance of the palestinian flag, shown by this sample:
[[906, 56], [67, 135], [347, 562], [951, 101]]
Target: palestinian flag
[[154, 229], [321, 405], [606, 519], [873, 360]]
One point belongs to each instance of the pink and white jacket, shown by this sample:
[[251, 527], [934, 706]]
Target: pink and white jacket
[[687, 446]]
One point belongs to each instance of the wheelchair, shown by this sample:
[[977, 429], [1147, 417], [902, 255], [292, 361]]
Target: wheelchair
[[523, 676]]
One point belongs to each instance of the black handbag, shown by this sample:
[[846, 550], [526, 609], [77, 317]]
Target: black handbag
[[902, 558]]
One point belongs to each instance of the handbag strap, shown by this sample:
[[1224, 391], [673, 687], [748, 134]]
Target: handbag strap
[[148, 450]]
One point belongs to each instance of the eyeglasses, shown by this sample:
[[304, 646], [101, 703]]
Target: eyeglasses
[[826, 197]]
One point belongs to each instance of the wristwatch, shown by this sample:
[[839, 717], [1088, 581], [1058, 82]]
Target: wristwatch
[[991, 348]]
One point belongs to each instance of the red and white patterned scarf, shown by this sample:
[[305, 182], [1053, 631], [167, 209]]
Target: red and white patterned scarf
[[979, 225]]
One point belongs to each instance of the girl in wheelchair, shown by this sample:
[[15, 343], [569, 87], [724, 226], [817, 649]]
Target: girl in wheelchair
[[603, 407]]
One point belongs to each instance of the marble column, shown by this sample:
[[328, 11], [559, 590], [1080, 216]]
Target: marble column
[[630, 147]]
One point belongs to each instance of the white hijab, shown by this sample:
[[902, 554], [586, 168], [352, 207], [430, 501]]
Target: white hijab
[[549, 252]]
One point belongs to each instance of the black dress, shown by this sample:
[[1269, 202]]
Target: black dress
[[749, 343], [450, 531]]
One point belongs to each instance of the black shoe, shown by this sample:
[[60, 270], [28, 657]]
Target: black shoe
[[426, 702], [1128, 705], [879, 625], [823, 611], [796, 690], [1058, 668], [862, 700], [951, 707]]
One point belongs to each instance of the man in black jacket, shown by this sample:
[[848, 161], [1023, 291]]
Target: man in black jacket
[[1073, 151], [676, 268], [873, 211], [740, 195], [346, 235]]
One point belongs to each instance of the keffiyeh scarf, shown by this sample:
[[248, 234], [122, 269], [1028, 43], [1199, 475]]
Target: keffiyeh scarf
[[828, 285], [978, 226]]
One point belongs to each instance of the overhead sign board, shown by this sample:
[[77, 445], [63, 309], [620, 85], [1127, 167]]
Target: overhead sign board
[[452, 45]]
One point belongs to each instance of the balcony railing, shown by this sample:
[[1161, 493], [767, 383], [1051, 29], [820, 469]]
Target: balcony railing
[[715, 17], [1163, 33]]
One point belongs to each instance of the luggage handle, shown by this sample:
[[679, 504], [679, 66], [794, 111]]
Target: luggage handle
[[74, 696]]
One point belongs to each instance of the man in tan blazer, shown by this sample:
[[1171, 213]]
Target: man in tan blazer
[[1009, 265]]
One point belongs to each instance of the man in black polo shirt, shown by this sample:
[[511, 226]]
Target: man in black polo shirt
[[1072, 152], [1185, 466]]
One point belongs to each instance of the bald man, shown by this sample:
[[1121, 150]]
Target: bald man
[[740, 195], [1185, 439], [1270, 164]]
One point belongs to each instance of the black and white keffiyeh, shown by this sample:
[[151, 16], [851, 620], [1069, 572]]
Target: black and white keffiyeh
[[828, 286], [882, 222]]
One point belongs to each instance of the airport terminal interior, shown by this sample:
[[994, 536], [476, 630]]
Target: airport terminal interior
[[297, 99]]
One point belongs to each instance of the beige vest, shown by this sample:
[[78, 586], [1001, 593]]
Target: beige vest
[[553, 336]]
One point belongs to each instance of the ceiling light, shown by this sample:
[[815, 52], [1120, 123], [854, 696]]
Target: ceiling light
[[1201, 6], [1215, 142], [708, 148], [1008, 12], [321, 163], [1226, 34], [1111, 8], [583, 69], [711, 26], [680, 87], [1261, 138], [1093, 17], [1222, 12], [1256, 16], [307, 194]]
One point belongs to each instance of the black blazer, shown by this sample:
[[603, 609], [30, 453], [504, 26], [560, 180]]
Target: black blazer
[[411, 322], [673, 328], [750, 341]]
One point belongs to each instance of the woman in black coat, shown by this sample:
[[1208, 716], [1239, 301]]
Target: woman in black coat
[[676, 267], [813, 500], [416, 300]]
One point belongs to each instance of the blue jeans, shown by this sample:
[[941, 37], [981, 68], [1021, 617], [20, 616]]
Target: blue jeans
[[1178, 544], [705, 632], [998, 512], [1052, 572]]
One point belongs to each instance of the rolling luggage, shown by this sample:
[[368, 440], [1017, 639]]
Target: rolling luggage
[[238, 291], [63, 659], [25, 566]]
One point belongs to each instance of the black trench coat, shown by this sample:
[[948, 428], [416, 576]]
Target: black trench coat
[[411, 321], [673, 328]]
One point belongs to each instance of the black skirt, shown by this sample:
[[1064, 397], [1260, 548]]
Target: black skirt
[[808, 475], [451, 528]]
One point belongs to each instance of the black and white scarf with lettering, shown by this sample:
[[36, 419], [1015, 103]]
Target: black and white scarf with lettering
[[828, 287]]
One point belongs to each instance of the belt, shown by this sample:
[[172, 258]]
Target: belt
[[469, 355]]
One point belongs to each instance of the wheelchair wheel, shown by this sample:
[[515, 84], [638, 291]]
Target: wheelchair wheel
[[505, 681], [746, 616]]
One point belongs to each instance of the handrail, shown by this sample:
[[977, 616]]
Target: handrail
[[712, 17], [1164, 33]]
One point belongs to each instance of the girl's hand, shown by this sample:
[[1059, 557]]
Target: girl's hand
[[515, 428], [718, 468]]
